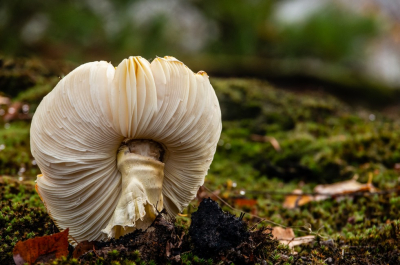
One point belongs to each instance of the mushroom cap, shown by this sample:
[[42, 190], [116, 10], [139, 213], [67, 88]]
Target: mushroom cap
[[78, 127]]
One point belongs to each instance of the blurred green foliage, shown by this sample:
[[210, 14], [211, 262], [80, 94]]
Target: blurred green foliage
[[112, 30], [16, 153], [332, 35], [242, 26]]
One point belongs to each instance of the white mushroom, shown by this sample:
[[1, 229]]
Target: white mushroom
[[114, 144]]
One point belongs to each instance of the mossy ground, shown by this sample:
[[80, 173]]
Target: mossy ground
[[321, 140]]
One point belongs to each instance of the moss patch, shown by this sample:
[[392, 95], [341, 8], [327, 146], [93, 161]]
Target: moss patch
[[22, 216], [321, 140]]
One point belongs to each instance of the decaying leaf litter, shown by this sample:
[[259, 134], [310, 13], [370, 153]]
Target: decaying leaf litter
[[360, 227]]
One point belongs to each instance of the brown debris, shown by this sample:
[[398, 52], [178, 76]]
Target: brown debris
[[286, 236], [161, 242], [202, 193], [41, 249], [323, 192], [341, 188], [82, 248], [293, 200]]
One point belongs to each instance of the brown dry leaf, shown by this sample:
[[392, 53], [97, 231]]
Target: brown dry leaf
[[286, 236], [300, 240], [342, 188], [327, 191], [245, 202], [281, 233], [31, 250], [292, 201]]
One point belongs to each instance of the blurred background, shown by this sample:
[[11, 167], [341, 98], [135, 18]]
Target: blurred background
[[336, 44]]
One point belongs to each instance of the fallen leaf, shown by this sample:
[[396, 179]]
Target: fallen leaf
[[245, 202], [300, 240], [31, 250], [342, 188], [286, 236], [293, 201], [324, 192], [282, 233]]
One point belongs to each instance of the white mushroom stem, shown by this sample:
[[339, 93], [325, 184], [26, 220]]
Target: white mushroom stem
[[142, 177]]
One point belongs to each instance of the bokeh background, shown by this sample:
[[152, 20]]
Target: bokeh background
[[309, 93], [336, 44]]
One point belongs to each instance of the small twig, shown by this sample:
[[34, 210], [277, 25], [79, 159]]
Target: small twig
[[242, 215], [94, 250], [254, 226]]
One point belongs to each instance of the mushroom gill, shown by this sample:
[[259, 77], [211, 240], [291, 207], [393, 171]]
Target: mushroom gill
[[116, 145]]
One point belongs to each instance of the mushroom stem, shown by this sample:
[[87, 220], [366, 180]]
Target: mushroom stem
[[142, 177]]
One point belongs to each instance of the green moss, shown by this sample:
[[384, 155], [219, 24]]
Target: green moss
[[190, 259], [22, 216], [321, 140]]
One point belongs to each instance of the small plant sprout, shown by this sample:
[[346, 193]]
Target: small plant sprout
[[116, 145]]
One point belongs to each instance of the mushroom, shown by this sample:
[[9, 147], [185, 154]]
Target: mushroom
[[116, 145]]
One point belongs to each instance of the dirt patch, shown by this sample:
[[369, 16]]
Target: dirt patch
[[161, 242], [213, 230], [214, 235], [223, 236]]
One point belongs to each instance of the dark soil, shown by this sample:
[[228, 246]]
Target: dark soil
[[213, 235], [213, 230], [161, 242], [222, 236]]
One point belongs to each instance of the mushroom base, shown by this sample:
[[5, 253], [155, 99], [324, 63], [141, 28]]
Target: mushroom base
[[141, 197]]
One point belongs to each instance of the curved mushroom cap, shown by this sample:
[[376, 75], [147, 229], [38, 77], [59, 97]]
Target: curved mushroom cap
[[79, 126]]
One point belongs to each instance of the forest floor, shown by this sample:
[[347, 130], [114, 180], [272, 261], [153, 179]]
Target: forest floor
[[277, 148]]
